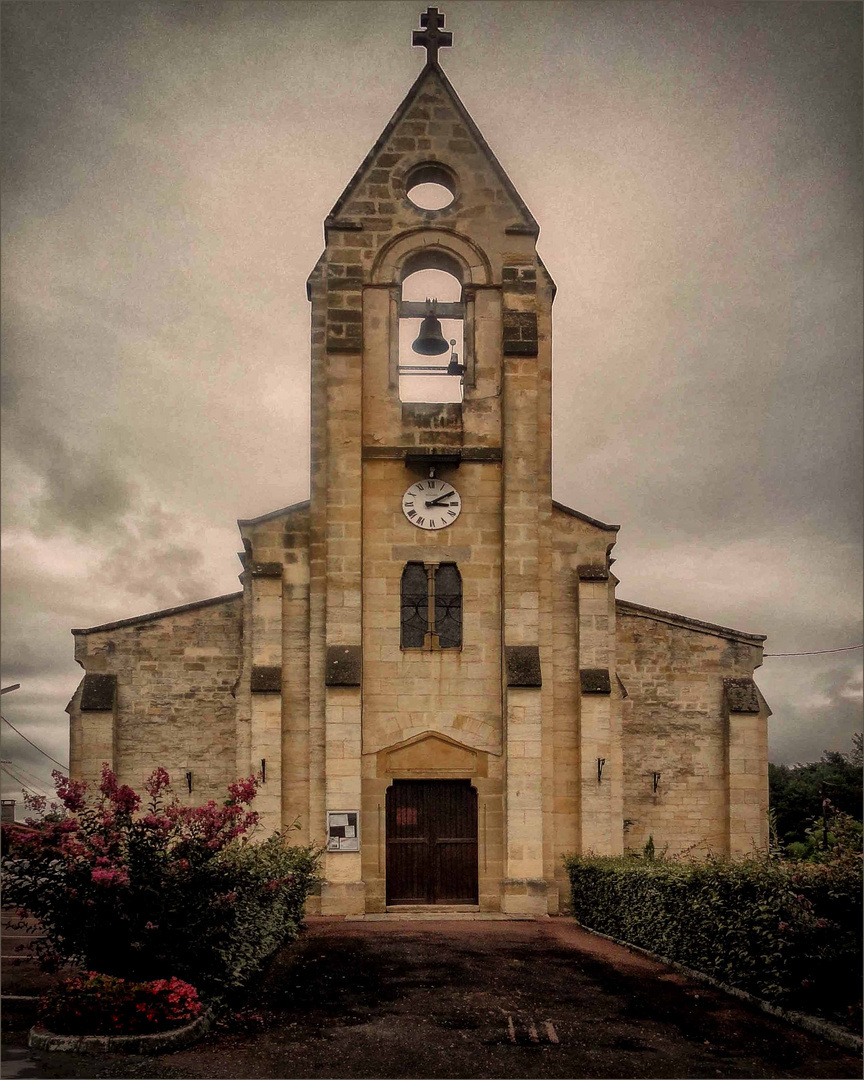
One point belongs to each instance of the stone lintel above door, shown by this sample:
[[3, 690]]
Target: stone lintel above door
[[431, 755]]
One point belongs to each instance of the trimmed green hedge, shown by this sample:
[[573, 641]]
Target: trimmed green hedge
[[787, 932]]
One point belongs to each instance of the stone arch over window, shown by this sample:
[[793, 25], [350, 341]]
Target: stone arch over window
[[431, 248], [439, 250]]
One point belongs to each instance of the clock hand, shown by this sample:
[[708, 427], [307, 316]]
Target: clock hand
[[437, 502]]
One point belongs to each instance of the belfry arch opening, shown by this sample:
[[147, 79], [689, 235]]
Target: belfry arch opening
[[431, 290]]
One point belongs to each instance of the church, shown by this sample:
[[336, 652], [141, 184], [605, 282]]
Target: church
[[427, 665]]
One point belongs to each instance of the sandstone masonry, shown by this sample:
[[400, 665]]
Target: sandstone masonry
[[578, 722]]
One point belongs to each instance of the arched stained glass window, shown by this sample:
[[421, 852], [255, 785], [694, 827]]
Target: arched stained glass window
[[448, 606], [415, 605]]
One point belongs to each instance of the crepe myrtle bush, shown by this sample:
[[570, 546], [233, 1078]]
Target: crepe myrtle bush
[[787, 932], [162, 890]]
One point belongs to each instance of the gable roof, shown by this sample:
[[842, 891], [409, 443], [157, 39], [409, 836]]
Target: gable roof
[[627, 607], [273, 514], [152, 616], [584, 517], [432, 70]]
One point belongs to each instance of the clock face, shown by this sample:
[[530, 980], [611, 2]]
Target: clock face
[[431, 504]]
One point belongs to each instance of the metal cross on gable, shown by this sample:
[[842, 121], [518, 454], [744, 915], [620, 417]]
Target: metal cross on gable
[[433, 36]]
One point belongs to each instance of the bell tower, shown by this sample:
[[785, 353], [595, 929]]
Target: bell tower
[[427, 667], [390, 705]]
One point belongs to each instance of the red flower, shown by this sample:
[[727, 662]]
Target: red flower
[[157, 780], [108, 783], [154, 821], [101, 876], [243, 791], [125, 799], [70, 792]]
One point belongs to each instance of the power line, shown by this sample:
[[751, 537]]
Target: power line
[[28, 774], [816, 652], [33, 744], [24, 786]]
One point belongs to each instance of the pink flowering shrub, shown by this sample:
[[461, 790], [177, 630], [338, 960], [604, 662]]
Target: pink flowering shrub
[[150, 890], [94, 1004]]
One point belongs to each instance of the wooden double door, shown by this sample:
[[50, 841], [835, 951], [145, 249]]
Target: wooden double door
[[431, 842]]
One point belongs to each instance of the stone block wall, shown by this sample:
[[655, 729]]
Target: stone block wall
[[454, 691], [274, 725], [585, 813], [431, 129], [175, 705], [746, 779], [676, 725]]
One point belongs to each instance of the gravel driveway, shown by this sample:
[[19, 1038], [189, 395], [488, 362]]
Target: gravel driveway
[[486, 999]]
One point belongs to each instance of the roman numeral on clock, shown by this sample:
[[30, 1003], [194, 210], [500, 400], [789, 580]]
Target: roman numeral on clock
[[431, 504]]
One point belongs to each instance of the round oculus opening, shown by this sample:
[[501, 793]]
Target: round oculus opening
[[430, 187]]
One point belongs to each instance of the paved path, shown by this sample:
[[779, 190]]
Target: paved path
[[479, 999]]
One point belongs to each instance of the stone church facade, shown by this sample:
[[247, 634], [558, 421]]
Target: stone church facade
[[451, 704]]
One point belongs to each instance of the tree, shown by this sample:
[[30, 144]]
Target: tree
[[856, 754], [797, 791]]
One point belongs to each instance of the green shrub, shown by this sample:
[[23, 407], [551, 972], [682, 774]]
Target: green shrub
[[178, 891], [238, 911], [786, 932], [843, 834]]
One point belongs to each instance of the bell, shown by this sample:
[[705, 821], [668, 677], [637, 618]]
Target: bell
[[430, 341]]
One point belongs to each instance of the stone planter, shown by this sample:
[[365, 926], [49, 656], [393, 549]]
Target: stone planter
[[159, 1042]]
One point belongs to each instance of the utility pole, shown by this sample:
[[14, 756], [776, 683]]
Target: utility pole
[[826, 802]]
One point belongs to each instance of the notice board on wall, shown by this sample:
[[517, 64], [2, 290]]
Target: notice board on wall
[[343, 832]]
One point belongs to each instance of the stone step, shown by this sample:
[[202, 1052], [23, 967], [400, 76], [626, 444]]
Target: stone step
[[409, 909], [431, 914]]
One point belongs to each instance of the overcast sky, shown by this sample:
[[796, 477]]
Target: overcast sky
[[695, 170]]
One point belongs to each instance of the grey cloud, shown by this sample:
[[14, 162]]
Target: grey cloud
[[696, 173], [159, 576], [826, 719], [74, 488]]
